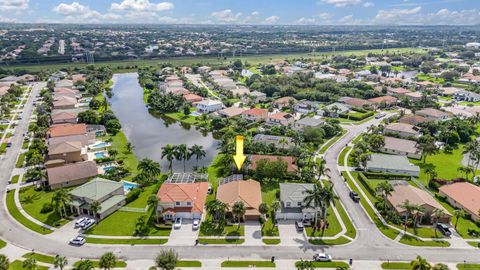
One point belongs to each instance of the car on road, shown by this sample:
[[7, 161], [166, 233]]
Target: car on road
[[89, 223], [299, 225], [80, 222], [78, 241], [322, 257], [380, 115], [354, 196], [196, 224], [178, 223], [444, 229]]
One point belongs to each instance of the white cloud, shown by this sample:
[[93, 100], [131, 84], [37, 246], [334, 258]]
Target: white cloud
[[141, 5], [226, 16], [305, 21], [70, 9], [368, 4], [396, 16], [415, 16], [255, 13], [272, 20], [342, 3], [6, 5], [7, 20], [325, 16]]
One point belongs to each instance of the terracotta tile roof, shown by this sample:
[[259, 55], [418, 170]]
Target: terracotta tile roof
[[280, 116], [192, 97], [396, 144], [191, 192], [231, 111], [248, 192], [386, 99], [65, 147], [465, 194], [289, 159], [63, 116], [356, 102], [432, 112], [78, 77], [68, 130], [398, 91], [256, 111], [71, 172], [414, 195], [284, 100], [413, 119]]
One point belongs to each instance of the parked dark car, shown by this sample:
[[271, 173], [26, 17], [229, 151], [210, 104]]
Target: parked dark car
[[444, 229], [299, 226], [354, 196]]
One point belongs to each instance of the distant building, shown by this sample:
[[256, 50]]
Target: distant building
[[433, 114], [308, 121], [209, 106], [402, 147], [255, 114], [392, 164], [279, 141]]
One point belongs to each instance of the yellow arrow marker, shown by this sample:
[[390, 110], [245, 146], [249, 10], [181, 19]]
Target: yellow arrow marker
[[239, 156]]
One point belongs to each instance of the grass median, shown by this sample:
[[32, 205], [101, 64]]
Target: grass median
[[96, 264], [329, 143], [329, 242], [189, 264], [249, 264], [18, 216], [220, 241], [271, 241], [333, 264], [126, 241], [396, 265]]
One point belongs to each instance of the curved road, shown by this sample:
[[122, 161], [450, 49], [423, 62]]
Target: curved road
[[369, 245]]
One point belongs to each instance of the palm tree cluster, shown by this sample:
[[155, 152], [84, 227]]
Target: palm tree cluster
[[319, 198], [218, 210], [149, 170], [182, 153]]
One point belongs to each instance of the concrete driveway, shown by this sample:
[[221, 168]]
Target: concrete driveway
[[185, 236], [289, 236], [253, 233]]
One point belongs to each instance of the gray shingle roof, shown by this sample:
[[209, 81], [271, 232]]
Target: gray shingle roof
[[294, 191], [392, 162]]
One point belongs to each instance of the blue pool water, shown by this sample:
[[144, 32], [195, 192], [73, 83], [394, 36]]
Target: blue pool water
[[127, 186], [100, 145], [100, 155], [108, 168]]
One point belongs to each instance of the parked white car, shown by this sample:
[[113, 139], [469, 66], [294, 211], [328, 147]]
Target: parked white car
[[78, 241], [89, 223], [322, 257], [196, 224], [81, 222], [178, 223]]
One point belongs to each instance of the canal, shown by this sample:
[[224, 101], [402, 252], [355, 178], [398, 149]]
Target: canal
[[148, 133]]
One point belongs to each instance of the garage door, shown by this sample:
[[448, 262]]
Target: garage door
[[289, 216], [184, 215]]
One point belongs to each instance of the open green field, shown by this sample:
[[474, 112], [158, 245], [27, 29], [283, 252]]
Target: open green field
[[129, 65], [18, 216], [248, 264]]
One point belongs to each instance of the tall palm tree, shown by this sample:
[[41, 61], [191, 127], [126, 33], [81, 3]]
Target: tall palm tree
[[168, 152], [181, 154], [320, 166], [167, 259], [420, 263], [283, 142], [60, 199], [437, 214], [29, 264], [409, 208], [217, 209], [149, 167], [108, 261], [263, 209], [315, 199], [95, 207], [197, 151], [386, 189], [238, 211], [105, 104], [4, 262], [84, 265], [152, 203], [459, 213], [60, 262], [274, 208]]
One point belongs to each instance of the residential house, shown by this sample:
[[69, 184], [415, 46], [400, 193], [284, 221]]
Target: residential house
[[336, 109], [414, 96], [306, 106], [413, 119], [282, 142], [463, 195], [110, 195], [246, 191], [402, 147], [403, 130], [68, 152], [97, 130], [63, 118], [292, 206], [392, 164], [426, 85], [71, 174], [4, 90], [284, 119], [255, 114], [355, 102], [257, 96], [182, 200], [403, 193], [240, 91], [384, 101], [283, 102], [78, 78], [209, 106], [67, 130], [192, 98], [397, 92], [291, 161], [230, 112], [64, 84], [448, 91], [433, 114], [464, 95], [64, 102], [308, 121]]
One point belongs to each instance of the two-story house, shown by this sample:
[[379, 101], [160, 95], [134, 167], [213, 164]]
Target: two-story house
[[255, 114], [280, 118], [209, 106], [292, 205], [182, 200]]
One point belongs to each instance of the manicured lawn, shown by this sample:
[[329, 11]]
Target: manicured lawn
[[396, 265], [463, 223], [130, 161], [2, 244], [333, 226], [341, 157], [15, 179], [126, 241], [351, 232], [474, 244], [269, 229], [413, 241], [20, 160], [17, 265], [248, 264], [271, 241], [40, 257], [339, 241], [179, 116], [96, 264], [214, 175], [207, 228], [189, 264], [3, 148], [17, 215], [25, 144], [470, 266], [325, 146], [333, 264], [122, 223], [32, 202], [426, 77], [141, 201], [208, 241]]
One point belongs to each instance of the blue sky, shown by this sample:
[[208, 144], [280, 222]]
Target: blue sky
[[314, 12]]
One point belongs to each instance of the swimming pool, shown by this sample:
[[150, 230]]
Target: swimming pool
[[100, 145], [127, 186], [100, 155], [108, 168]]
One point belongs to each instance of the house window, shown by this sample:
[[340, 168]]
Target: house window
[[289, 204], [189, 204], [177, 203], [299, 203]]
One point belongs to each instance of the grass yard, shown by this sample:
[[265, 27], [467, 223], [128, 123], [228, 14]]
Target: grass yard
[[40, 257], [474, 244], [341, 157], [463, 224], [396, 265], [96, 264], [424, 232], [413, 241], [15, 179], [2, 244], [189, 264], [17, 215], [326, 145], [141, 201], [179, 116], [470, 266], [126, 241], [333, 264], [20, 160], [333, 226], [123, 223], [129, 159], [33, 201], [351, 232], [339, 241], [17, 265], [426, 77], [207, 228], [271, 241], [249, 264], [269, 229], [216, 241]]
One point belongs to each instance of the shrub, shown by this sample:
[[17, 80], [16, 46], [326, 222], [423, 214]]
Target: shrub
[[133, 195], [46, 208]]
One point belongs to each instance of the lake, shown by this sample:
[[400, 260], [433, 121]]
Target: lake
[[149, 133]]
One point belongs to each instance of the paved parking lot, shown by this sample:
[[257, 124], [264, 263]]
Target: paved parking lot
[[289, 235], [183, 236], [253, 233]]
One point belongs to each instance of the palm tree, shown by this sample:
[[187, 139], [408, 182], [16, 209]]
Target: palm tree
[[320, 167], [129, 147], [181, 154], [409, 208], [217, 209], [466, 170], [108, 261], [263, 209], [60, 199], [459, 213], [4, 262], [283, 142], [105, 104], [113, 153], [386, 189], [95, 207], [149, 167], [152, 203], [84, 265], [315, 199], [197, 151], [168, 151], [167, 259], [431, 171], [420, 264], [417, 211], [238, 211], [437, 214], [60, 262], [274, 208], [29, 264], [304, 265]]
